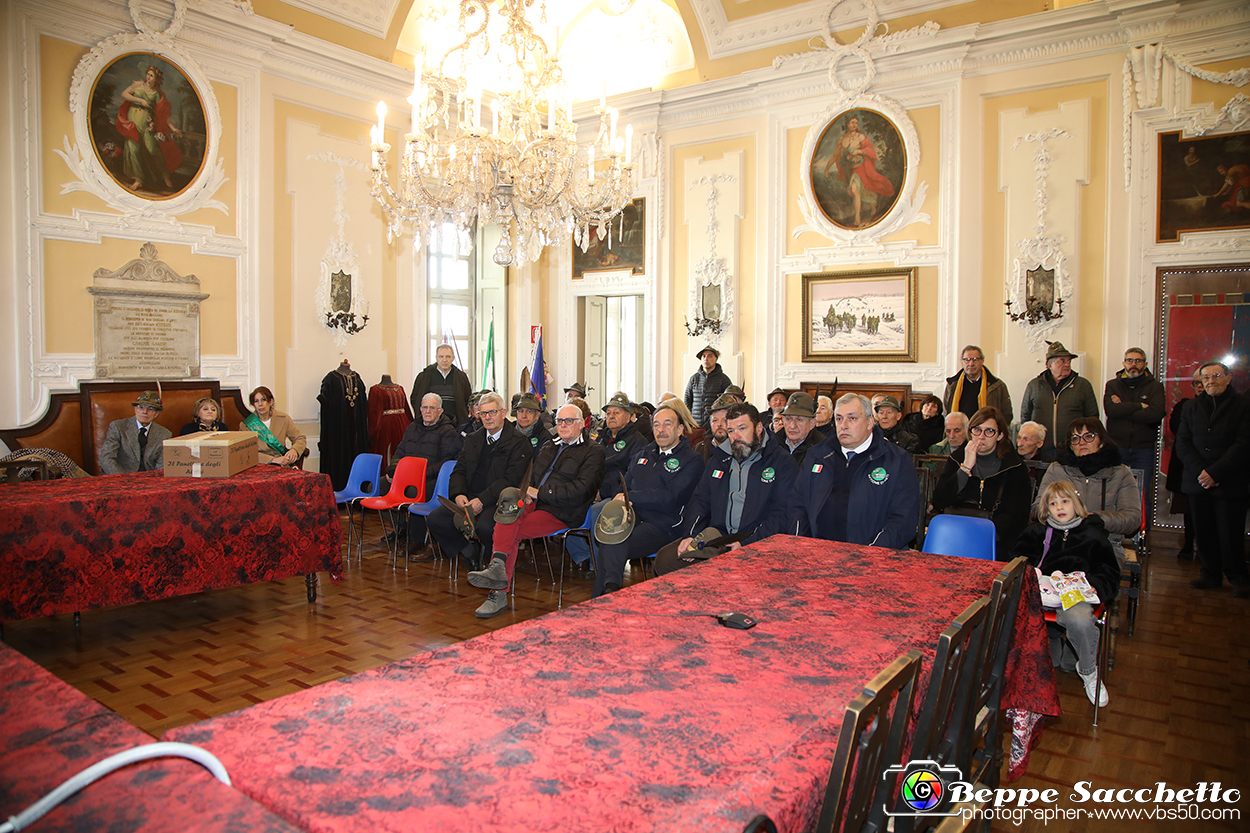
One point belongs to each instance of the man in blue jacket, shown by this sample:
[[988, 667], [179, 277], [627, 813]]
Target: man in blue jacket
[[738, 491], [856, 486], [660, 481]]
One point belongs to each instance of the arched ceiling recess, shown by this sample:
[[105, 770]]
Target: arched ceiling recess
[[626, 44]]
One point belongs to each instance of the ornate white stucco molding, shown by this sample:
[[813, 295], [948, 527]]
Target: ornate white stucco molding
[[339, 264], [712, 276], [1039, 309], [849, 95], [1142, 75], [82, 158]]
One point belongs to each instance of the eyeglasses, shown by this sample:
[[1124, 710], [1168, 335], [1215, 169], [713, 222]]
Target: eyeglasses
[[1134, 361], [567, 420], [1210, 377], [984, 432], [489, 413], [1196, 383], [1084, 438], [972, 359]]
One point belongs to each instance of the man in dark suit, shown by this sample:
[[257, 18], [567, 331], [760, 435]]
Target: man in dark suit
[[564, 481], [1214, 444], [136, 443], [660, 480], [738, 491], [855, 486], [494, 457]]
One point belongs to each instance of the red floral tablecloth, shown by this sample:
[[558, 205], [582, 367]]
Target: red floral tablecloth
[[631, 712], [49, 731], [71, 545]]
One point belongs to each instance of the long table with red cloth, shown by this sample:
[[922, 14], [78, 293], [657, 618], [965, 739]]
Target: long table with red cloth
[[72, 545], [50, 731], [630, 712]]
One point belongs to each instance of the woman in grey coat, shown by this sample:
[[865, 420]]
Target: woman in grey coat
[[1092, 464]]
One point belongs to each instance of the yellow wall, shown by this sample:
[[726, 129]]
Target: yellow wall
[[68, 266], [1091, 258]]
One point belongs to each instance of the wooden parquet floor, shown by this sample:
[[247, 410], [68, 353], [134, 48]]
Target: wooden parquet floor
[[1180, 689]]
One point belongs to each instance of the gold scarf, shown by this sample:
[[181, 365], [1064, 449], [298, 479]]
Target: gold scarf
[[981, 394]]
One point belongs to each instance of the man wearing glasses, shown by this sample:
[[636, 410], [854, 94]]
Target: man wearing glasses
[[974, 387], [1133, 401], [1057, 395], [1214, 444], [564, 481], [494, 457]]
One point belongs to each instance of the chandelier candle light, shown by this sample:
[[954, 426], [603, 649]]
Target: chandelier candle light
[[526, 173]]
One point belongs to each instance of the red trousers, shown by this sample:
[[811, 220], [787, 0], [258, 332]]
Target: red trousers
[[533, 524]]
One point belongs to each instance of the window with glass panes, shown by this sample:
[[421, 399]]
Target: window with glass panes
[[449, 268]]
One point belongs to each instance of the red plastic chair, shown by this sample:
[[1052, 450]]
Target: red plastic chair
[[1104, 644], [407, 487]]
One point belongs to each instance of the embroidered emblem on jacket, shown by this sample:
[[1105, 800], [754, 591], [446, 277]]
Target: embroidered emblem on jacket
[[620, 445], [672, 464], [768, 474], [878, 475]]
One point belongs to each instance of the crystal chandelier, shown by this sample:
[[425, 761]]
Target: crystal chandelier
[[519, 167]]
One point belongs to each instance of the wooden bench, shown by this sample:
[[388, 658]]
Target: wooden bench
[[76, 422]]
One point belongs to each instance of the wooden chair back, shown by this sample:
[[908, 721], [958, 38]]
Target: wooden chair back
[[871, 740]]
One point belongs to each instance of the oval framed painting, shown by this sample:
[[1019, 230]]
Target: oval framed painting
[[148, 125], [857, 168]]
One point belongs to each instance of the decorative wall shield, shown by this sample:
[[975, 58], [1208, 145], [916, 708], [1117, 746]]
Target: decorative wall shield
[[146, 124]]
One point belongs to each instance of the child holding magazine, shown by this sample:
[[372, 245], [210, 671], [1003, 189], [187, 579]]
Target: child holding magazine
[[1071, 540]]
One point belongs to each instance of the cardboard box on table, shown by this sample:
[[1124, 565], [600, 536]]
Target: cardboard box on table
[[210, 454]]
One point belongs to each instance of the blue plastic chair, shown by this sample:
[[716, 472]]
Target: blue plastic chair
[[364, 480], [584, 531], [442, 488], [962, 536]]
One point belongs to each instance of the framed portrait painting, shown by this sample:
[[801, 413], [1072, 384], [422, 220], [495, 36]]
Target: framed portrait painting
[[1204, 184], [625, 247], [866, 316], [857, 169], [147, 125]]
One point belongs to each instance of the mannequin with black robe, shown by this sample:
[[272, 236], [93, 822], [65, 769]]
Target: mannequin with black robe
[[344, 422]]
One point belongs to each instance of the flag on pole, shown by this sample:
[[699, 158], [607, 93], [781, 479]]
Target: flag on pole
[[538, 375], [488, 369]]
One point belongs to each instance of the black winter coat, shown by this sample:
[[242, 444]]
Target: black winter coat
[[574, 481], [1129, 424], [1006, 494], [1084, 549], [618, 453], [929, 431], [1215, 437], [505, 461], [436, 443], [702, 390]]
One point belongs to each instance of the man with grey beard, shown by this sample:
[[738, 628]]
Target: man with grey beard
[[738, 491]]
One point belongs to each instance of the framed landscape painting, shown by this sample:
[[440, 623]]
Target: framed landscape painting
[[866, 316]]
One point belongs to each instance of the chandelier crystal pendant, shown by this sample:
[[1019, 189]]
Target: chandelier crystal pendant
[[518, 165]]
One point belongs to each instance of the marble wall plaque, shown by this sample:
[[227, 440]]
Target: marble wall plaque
[[147, 321]]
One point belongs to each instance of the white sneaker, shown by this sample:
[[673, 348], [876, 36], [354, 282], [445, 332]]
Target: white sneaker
[[495, 604], [1090, 681]]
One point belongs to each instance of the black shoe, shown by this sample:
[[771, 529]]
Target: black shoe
[[1204, 583], [1185, 555], [388, 538], [1241, 591]]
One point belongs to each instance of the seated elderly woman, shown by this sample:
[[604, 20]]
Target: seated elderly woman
[[205, 416], [986, 478], [1092, 464], [928, 424], [274, 429]]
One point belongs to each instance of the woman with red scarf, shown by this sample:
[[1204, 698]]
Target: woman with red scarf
[[151, 156]]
